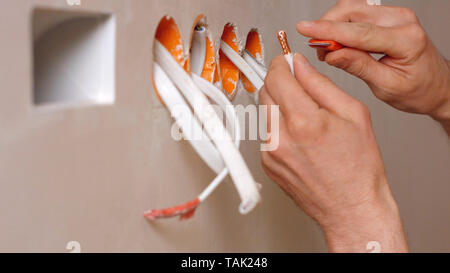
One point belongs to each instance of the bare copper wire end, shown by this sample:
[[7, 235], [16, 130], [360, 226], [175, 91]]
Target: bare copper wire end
[[282, 37]]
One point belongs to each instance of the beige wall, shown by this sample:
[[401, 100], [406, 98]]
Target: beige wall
[[88, 173]]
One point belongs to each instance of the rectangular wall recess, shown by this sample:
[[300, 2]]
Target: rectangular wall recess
[[73, 57]]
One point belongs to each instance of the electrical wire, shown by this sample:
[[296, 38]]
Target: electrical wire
[[242, 178]]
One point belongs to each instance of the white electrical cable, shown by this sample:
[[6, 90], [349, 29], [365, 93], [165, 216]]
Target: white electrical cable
[[213, 185], [290, 59], [242, 178], [164, 85], [168, 91], [243, 66], [258, 68], [189, 125], [219, 97], [198, 55]]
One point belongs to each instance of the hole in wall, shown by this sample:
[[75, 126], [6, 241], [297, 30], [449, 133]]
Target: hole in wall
[[255, 47], [169, 35], [229, 73], [73, 57]]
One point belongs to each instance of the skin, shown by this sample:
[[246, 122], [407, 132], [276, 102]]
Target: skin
[[412, 77], [328, 160]]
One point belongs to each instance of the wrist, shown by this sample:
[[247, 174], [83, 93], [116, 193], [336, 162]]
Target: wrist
[[442, 112], [378, 220]]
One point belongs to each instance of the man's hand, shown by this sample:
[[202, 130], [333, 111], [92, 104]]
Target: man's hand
[[412, 77], [328, 160]]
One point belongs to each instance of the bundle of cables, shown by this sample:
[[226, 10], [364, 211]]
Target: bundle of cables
[[189, 83]]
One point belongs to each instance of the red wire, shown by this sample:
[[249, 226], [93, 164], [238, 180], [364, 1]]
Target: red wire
[[185, 211]]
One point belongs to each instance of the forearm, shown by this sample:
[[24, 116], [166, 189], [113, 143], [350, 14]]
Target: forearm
[[442, 115], [378, 222]]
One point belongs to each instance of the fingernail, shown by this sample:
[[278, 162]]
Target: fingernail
[[299, 58], [306, 24], [321, 55], [301, 62]]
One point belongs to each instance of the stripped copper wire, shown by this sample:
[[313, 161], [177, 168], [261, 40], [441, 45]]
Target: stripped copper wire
[[282, 37]]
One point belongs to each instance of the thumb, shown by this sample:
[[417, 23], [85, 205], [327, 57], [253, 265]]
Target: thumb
[[360, 64]]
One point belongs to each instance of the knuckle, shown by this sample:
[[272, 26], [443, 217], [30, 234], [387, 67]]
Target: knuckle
[[417, 33], [327, 24], [340, 61], [280, 152], [320, 126], [408, 14], [384, 96], [296, 126], [306, 128], [365, 31], [359, 69], [323, 120], [362, 112]]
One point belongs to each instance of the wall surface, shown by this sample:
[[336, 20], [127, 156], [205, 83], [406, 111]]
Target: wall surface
[[87, 172]]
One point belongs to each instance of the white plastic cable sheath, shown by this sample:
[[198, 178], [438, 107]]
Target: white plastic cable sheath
[[197, 63], [243, 66], [242, 178], [213, 185], [198, 55], [290, 59], [172, 98], [219, 97], [259, 69]]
